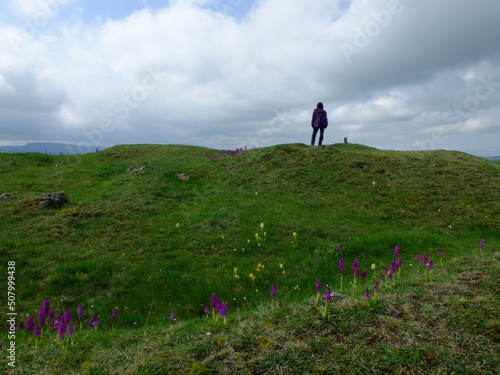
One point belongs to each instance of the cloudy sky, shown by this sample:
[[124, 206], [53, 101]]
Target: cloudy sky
[[392, 74]]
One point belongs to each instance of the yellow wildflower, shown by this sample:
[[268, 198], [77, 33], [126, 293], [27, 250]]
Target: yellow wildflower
[[252, 276], [374, 266], [261, 226], [177, 225], [236, 277], [235, 270]]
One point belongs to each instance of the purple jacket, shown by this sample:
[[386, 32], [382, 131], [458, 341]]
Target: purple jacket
[[319, 118]]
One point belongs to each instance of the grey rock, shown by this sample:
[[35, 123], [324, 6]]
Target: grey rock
[[338, 296], [56, 200], [134, 170]]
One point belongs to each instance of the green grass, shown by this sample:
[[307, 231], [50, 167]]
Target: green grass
[[152, 243]]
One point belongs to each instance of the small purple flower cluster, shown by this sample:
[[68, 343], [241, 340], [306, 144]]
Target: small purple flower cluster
[[395, 266], [424, 259], [217, 305], [427, 263], [338, 248], [328, 295], [47, 317], [390, 272], [44, 313], [440, 253], [342, 265], [355, 268], [397, 250], [342, 270], [80, 312], [225, 154], [63, 324], [396, 263], [273, 291], [94, 321], [376, 286], [318, 286], [367, 294]]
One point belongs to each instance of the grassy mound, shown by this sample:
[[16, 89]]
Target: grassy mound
[[188, 222]]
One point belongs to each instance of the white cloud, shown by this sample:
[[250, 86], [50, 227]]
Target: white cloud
[[472, 125], [28, 8], [39, 11], [195, 73], [5, 86], [390, 106]]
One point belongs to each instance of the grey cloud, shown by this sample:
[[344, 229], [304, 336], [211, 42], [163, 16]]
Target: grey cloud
[[222, 80]]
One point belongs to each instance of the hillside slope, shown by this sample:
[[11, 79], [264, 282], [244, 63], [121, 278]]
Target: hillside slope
[[195, 221], [340, 193]]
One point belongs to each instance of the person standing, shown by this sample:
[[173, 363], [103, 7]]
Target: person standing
[[319, 122]]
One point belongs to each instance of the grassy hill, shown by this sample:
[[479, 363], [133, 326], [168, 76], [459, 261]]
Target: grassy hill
[[51, 148], [493, 158], [196, 221]]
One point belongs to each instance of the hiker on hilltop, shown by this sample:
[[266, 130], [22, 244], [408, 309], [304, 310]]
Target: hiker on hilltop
[[319, 122]]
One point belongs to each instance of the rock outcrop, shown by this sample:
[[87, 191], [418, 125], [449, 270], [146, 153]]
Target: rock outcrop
[[56, 200], [134, 170]]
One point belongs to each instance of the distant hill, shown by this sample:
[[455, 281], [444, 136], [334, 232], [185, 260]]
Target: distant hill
[[51, 148], [492, 158]]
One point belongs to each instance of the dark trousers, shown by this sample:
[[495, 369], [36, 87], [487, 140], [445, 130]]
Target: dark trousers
[[315, 131]]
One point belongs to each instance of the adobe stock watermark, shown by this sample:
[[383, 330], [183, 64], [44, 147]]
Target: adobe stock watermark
[[47, 10], [461, 111], [120, 110], [380, 20], [277, 125], [483, 91], [12, 312]]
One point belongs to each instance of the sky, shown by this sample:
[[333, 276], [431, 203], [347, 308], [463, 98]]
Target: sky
[[392, 74]]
